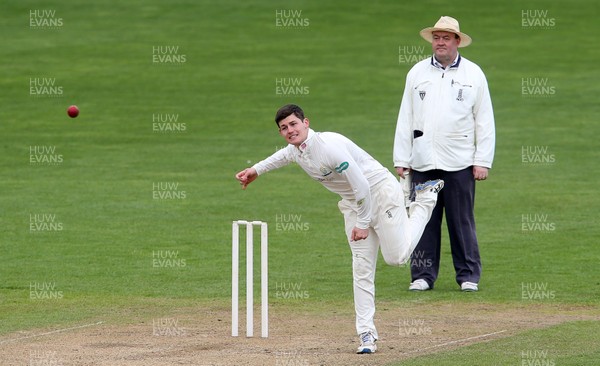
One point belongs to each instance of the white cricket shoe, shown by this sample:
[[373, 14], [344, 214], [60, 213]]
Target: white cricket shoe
[[419, 285], [430, 186], [469, 287], [367, 343]]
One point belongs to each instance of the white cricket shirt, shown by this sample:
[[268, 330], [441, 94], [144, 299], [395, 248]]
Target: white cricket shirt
[[338, 164]]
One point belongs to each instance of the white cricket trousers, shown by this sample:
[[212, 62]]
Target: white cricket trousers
[[393, 231]]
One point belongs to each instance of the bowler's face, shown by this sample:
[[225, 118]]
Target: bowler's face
[[294, 130], [445, 46]]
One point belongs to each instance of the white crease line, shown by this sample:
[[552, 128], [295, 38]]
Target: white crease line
[[52, 332], [458, 341]]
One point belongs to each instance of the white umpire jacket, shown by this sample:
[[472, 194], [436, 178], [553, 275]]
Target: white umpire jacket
[[446, 120]]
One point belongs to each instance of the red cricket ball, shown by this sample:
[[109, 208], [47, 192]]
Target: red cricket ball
[[73, 111]]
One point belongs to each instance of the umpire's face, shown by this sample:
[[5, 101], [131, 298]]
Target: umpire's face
[[294, 130], [445, 46]]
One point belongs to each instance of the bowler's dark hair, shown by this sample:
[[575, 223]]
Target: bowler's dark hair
[[288, 110]]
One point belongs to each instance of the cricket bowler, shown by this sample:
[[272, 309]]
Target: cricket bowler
[[372, 204]]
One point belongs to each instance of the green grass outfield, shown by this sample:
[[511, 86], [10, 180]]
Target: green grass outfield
[[103, 223]]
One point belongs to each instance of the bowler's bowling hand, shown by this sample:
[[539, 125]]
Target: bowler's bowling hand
[[246, 176]]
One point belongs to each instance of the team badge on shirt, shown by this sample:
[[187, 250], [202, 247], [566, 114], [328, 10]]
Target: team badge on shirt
[[343, 166]]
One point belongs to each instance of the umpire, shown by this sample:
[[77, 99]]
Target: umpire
[[445, 130]]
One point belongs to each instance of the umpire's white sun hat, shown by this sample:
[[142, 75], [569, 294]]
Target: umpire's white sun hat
[[446, 24]]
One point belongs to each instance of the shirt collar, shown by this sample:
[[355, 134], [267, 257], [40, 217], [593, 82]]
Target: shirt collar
[[454, 64], [303, 146]]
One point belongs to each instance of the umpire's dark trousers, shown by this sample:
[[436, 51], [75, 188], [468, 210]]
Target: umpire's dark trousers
[[457, 199]]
